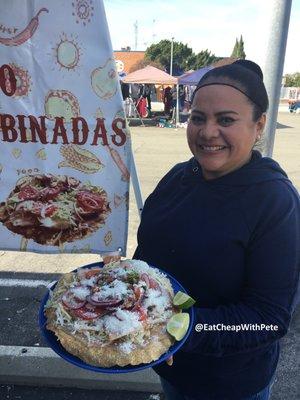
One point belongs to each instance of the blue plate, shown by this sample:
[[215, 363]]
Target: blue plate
[[53, 342]]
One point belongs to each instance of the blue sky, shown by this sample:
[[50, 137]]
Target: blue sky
[[202, 24]]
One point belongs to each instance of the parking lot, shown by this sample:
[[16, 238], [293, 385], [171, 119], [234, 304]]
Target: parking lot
[[155, 150]]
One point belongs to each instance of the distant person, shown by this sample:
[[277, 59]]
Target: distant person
[[145, 92], [125, 90], [167, 99], [226, 225], [134, 91], [181, 97]]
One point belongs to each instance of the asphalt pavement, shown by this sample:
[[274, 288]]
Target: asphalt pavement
[[13, 392]]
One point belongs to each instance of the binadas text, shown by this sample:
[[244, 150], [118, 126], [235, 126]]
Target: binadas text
[[16, 129]]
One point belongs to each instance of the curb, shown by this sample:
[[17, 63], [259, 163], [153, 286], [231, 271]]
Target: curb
[[40, 366]]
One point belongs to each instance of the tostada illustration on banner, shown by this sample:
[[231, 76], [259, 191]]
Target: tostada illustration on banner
[[65, 146]]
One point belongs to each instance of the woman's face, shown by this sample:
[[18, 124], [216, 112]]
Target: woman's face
[[221, 131]]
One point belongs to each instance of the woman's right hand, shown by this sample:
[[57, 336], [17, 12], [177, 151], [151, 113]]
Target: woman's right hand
[[111, 258]]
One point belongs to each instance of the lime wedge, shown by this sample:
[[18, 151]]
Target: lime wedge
[[183, 300], [178, 325]]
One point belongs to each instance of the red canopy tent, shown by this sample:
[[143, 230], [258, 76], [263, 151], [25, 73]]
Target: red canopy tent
[[150, 75]]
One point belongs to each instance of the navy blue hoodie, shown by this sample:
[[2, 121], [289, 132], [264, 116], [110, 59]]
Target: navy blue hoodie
[[234, 244]]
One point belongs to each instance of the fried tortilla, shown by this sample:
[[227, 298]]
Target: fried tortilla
[[113, 316]]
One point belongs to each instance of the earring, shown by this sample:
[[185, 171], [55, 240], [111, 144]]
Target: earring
[[258, 138]]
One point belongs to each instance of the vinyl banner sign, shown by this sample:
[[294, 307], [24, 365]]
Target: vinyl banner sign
[[64, 145]]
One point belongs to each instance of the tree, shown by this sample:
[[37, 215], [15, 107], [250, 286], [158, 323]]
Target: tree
[[241, 53], [238, 49], [292, 79], [235, 49], [143, 63], [161, 52], [202, 59]]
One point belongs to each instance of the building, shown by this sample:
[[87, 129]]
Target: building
[[125, 59]]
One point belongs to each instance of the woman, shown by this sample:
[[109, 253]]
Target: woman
[[226, 224]]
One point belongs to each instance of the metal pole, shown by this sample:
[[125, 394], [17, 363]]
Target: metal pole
[[136, 186], [274, 67], [171, 61], [177, 106]]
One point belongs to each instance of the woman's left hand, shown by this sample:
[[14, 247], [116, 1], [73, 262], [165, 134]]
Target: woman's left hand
[[170, 361]]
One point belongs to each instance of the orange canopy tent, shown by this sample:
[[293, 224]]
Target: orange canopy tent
[[150, 75]]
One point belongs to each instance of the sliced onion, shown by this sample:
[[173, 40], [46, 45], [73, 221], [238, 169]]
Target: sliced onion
[[95, 301], [153, 284], [145, 278]]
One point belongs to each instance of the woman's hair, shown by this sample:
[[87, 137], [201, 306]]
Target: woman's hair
[[246, 77]]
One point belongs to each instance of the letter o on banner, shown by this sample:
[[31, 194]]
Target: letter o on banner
[[7, 76]]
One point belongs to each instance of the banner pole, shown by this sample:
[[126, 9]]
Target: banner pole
[[136, 186]]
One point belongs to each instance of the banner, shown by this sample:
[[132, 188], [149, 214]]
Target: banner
[[64, 144]]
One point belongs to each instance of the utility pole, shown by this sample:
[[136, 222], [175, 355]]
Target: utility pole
[[153, 31], [171, 61], [274, 67], [135, 35]]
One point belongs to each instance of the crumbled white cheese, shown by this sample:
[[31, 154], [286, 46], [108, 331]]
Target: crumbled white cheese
[[47, 222], [157, 300], [81, 292], [115, 289], [126, 347], [143, 267], [61, 315], [89, 282], [82, 325], [122, 323]]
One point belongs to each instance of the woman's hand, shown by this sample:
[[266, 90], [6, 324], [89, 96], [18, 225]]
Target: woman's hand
[[170, 361], [111, 258]]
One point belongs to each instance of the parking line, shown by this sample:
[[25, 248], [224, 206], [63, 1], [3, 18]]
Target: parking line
[[33, 283]]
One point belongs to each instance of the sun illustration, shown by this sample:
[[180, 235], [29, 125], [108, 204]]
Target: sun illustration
[[67, 52], [23, 84], [83, 11]]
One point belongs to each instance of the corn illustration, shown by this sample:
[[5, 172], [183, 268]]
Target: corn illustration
[[41, 154], [108, 238], [80, 159], [16, 152]]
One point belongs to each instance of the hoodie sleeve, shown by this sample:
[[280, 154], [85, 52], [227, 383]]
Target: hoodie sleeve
[[272, 263]]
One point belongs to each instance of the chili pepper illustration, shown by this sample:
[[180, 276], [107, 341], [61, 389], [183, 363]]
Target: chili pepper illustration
[[26, 34], [119, 162]]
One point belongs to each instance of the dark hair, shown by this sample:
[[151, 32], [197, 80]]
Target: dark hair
[[246, 77]]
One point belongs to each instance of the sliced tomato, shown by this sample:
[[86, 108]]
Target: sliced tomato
[[92, 272], [50, 210], [88, 314], [137, 292], [141, 312], [71, 302], [28, 193], [90, 202]]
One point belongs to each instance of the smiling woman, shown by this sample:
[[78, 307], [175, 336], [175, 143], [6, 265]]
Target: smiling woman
[[226, 224], [222, 133], [228, 117]]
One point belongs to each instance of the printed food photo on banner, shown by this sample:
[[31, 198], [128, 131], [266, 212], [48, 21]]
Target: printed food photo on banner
[[65, 147]]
